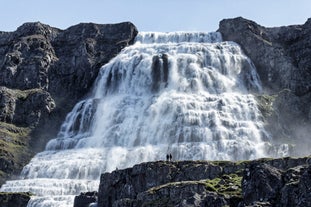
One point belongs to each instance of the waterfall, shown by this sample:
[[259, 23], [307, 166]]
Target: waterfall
[[188, 94]]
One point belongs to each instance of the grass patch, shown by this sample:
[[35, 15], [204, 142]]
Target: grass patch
[[14, 149], [227, 184]]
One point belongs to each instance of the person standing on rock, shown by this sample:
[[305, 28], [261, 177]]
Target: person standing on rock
[[171, 157], [167, 157]]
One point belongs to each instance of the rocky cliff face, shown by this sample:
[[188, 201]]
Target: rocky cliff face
[[282, 56], [264, 182], [44, 71]]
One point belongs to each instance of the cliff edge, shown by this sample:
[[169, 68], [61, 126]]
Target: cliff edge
[[282, 56], [263, 182], [44, 71]]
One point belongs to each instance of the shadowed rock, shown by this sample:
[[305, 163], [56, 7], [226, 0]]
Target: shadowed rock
[[260, 183]]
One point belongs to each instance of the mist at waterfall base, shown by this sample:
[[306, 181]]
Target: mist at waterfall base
[[188, 94]]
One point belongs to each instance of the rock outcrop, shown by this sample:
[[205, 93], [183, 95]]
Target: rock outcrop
[[264, 182], [85, 199], [24, 108], [44, 71], [282, 56], [14, 199]]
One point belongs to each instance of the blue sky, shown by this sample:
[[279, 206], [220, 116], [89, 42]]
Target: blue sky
[[152, 15]]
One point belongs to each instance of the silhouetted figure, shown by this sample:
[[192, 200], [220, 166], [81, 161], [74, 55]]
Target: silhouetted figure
[[171, 157], [167, 157]]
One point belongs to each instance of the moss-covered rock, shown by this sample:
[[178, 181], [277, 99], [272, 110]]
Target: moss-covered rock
[[14, 149], [263, 182]]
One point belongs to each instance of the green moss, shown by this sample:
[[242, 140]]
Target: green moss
[[211, 184], [228, 184], [21, 94], [24, 94], [242, 162], [210, 187], [14, 149]]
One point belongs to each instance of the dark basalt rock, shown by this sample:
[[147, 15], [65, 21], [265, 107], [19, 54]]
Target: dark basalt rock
[[264, 182], [63, 63], [85, 199], [130, 182], [281, 188], [24, 108], [261, 182], [44, 71], [14, 199], [282, 56], [81, 51]]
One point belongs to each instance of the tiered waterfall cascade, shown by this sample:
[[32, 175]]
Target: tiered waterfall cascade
[[187, 94]]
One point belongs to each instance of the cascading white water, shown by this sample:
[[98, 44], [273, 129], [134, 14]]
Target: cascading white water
[[187, 94]]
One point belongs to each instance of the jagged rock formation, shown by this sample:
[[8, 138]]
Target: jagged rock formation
[[264, 182], [44, 71], [282, 56]]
